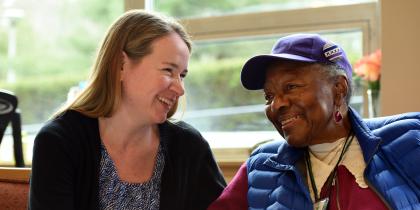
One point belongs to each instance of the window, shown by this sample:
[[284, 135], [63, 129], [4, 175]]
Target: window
[[216, 100], [230, 117], [46, 47], [53, 44]]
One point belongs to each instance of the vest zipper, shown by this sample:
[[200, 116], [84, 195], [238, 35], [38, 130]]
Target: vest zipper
[[337, 189]]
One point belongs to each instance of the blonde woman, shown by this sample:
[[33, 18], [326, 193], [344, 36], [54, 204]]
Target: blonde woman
[[113, 146]]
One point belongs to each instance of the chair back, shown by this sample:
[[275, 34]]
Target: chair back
[[14, 188], [10, 114], [8, 105]]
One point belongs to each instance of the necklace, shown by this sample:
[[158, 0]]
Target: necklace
[[322, 204]]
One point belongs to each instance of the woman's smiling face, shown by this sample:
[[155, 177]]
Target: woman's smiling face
[[300, 102], [153, 85]]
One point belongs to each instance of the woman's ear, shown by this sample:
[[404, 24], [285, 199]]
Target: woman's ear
[[124, 61], [341, 90]]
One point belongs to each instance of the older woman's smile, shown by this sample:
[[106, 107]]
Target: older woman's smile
[[288, 121]]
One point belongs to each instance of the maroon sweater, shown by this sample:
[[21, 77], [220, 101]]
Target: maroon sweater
[[351, 196]]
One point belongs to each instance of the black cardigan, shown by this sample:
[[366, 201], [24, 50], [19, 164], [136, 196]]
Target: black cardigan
[[66, 157]]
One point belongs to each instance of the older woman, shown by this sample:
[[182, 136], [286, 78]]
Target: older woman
[[331, 157], [113, 146]]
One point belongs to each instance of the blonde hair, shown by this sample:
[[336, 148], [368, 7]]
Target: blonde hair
[[132, 33]]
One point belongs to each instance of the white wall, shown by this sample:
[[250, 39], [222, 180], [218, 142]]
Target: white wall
[[401, 56]]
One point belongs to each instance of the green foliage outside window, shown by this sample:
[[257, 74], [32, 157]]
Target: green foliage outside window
[[56, 44]]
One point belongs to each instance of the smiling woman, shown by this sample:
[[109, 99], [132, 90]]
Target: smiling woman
[[160, 74], [330, 156], [296, 85], [113, 147]]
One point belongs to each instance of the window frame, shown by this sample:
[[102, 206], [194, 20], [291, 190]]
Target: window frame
[[364, 17], [361, 16]]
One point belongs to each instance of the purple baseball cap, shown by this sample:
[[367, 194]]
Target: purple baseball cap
[[309, 48]]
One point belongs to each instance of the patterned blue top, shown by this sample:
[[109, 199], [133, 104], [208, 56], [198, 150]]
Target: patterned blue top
[[117, 194]]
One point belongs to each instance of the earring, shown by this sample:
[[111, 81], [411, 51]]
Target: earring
[[338, 116]]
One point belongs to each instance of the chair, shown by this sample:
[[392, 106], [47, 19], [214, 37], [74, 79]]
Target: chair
[[10, 114], [14, 188]]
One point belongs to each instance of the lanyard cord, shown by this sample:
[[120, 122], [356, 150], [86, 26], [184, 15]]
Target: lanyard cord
[[331, 177]]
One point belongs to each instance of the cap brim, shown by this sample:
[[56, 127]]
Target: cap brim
[[253, 71]]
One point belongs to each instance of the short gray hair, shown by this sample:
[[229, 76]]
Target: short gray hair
[[334, 71]]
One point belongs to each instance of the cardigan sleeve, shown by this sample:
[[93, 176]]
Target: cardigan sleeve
[[234, 197], [211, 181], [191, 179], [51, 183]]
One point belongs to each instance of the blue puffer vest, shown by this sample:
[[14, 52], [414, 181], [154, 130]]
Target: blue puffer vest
[[391, 150]]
